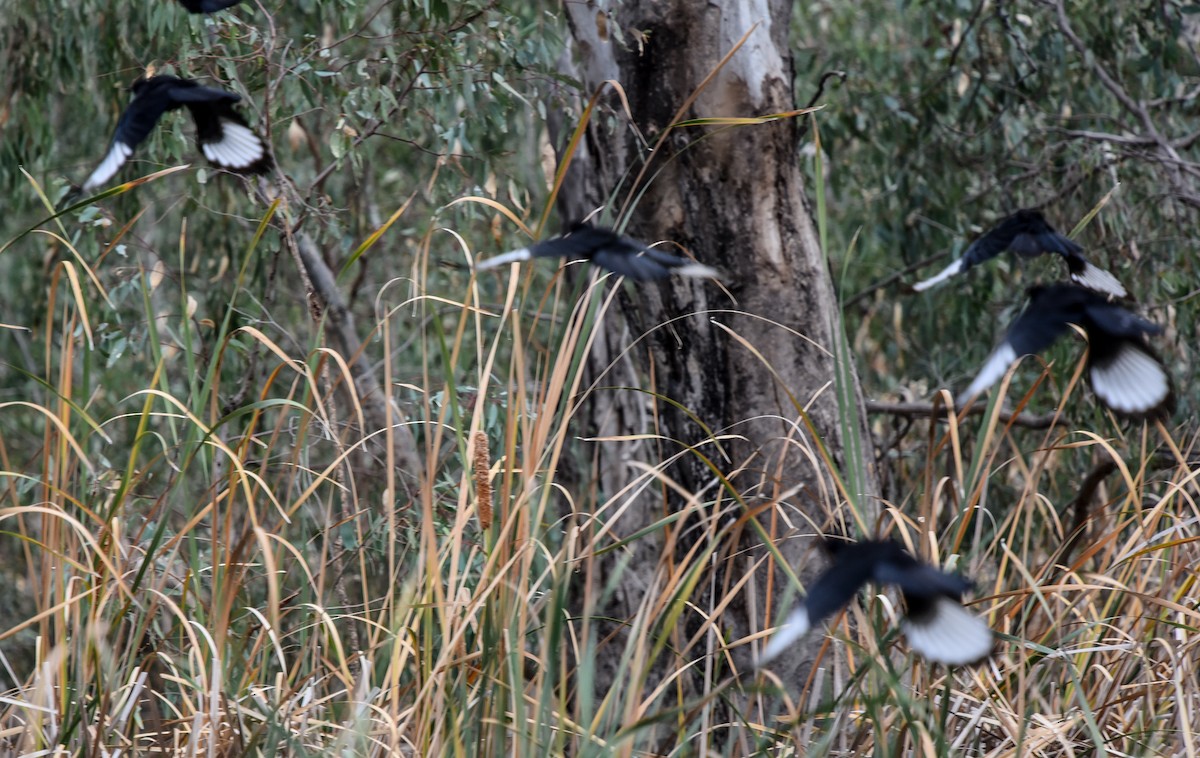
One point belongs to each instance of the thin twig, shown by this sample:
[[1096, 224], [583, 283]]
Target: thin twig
[[1081, 506], [841, 76], [941, 411], [343, 337], [887, 281]]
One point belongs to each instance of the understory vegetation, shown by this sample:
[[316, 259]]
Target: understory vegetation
[[220, 537]]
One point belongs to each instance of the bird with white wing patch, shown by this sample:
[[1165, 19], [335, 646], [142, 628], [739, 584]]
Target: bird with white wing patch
[[223, 135], [610, 251], [937, 625], [1126, 376], [1028, 234]]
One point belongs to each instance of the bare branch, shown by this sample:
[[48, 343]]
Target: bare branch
[[1120, 139], [886, 281], [1165, 151], [343, 337], [1133, 106], [942, 412]]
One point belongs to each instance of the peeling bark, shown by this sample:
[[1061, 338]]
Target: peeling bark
[[736, 199]]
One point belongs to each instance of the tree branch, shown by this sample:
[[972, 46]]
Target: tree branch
[[1081, 505], [942, 411], [343, 337], [894, 278], [1164, 149]]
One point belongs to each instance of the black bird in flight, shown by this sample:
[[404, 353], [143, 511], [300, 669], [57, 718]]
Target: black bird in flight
[[207, 6], [1126, 376], [608, 250], [937, 625], [1028, 234], [221, 132]]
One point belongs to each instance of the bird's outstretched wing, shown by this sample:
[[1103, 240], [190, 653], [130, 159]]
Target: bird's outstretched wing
[[136, 123], [937, 625], [995, 241], [835, 587], [795, 626], [1041, 323], [1093, 277], [649, 264], [1125, 374], [1128, 378], [512, 256], [611, 251]]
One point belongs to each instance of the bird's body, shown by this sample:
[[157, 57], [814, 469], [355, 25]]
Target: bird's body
[[1125, 375], [207, 6], [938, 627], [221, 132], [1028, 234], [609, 250]]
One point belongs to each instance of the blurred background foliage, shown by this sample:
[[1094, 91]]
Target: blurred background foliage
[[366, 104], [951, 114]]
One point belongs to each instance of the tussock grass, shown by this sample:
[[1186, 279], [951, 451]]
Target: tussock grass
[[204, 579]]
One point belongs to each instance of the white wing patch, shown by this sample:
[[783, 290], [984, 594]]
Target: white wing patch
[[1132, 382], [997, 363], [951, 635], [795, 627], [945, 274], [514, 256], [239, 147], [698, 270], [1099, 280], [108, 168]]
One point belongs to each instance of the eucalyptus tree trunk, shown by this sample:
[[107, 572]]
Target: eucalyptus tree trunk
[[735, 198]]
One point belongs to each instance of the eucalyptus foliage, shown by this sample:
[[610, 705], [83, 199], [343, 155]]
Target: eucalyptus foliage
[[954, 114]]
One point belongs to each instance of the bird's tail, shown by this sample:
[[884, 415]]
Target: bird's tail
[[942, 276], [1133, 382], [948, 633], [514, 256], [1098, 280]]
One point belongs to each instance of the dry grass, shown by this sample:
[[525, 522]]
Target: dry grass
[[222, 626], [205, 581]]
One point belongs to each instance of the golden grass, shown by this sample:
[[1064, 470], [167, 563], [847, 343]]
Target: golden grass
[[205, 582]]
